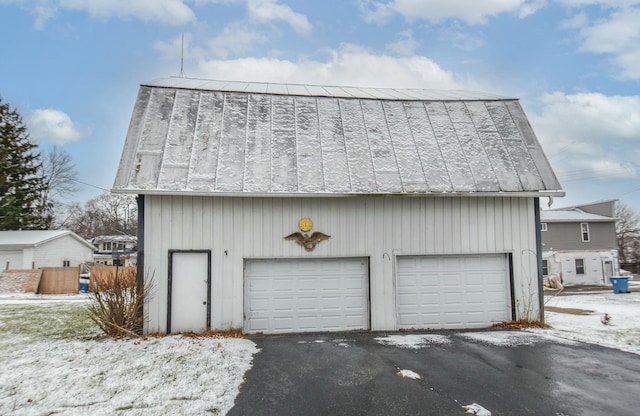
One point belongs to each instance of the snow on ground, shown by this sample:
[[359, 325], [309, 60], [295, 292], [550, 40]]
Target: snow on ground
[[513, 338], [53, 364], [476, 409], [413, 341], [409, 374], [24, 298], [622, 330]]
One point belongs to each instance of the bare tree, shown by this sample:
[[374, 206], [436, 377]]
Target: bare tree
[[59, 175], [106, 214], [628, 234]]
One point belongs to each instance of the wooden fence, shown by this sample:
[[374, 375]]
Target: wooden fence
[[63, 280], [106, 273], [59, 280]]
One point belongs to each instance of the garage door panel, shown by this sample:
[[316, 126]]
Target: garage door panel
[[283, 304], [452, 291], [302, 295]]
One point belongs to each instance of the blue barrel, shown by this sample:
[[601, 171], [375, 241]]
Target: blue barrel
[[84, 282], [620, 284]]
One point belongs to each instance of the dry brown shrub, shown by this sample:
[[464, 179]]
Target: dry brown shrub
[[117, 301], [521, 324]]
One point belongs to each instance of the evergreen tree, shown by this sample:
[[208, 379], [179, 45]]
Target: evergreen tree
[[21, 181]]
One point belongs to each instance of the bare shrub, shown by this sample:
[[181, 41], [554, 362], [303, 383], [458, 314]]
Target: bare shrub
[[117, 300]]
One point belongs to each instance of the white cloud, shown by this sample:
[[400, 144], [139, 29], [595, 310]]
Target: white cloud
[[603, 3], [173, 49], [269, 10], [531, 7], [578, 21], [405, 45], [472, 12], [590, 134], [349, 65], [460, 39], [52, 126], [42, 13], [170, 12], [618, 35], [234, 39]]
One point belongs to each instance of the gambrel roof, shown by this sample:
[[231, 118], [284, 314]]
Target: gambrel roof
[[203, 137]]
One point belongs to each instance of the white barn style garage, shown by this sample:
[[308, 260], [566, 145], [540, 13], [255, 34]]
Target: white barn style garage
[[295, 208]]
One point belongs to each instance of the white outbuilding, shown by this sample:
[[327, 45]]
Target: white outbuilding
[[294, 208], [32, 249]]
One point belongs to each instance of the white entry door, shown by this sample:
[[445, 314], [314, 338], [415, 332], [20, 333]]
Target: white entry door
[[453, 292], [306, 295], [189, 291]]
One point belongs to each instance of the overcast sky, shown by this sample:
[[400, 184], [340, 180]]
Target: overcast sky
[[72, 68]]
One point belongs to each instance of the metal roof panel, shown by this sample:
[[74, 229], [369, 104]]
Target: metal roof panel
[[214, 137]]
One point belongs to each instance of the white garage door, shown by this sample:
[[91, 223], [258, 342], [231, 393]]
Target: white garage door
[[306, 295], [14, 258], [470, 291]]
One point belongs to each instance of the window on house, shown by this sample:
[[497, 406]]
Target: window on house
[[543, 226], [545, 267], [584, 228], [579, 266], [66, 263]]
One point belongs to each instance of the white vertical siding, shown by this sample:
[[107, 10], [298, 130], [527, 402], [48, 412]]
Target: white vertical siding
[[379, 228]]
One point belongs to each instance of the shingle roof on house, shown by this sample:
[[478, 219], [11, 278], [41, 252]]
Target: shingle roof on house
[[229, 138]]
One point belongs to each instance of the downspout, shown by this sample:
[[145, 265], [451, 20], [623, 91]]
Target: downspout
[[536, 208], [140, 260]]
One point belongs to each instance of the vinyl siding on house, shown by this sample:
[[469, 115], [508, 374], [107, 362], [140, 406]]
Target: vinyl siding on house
[[567, 236]]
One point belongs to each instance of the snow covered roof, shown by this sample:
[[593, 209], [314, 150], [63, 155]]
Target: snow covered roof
[[25, 238], [322, 90], [572, 215], [203, 137], [116, 238]]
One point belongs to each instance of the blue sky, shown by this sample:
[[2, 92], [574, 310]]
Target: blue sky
[[72, 68]]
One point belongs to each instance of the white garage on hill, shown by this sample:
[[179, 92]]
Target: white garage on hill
[[291, 208]]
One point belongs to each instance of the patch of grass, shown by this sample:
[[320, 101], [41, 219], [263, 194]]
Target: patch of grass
[[53, 321], [521, 324]]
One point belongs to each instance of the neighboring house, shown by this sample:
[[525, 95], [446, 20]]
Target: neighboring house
[[112, 250], [579, 243], [47, 248], [290, 208]]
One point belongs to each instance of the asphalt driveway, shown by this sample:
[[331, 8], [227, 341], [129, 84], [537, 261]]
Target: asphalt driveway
[[355, 374]]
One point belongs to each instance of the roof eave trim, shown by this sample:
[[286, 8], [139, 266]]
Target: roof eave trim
[[580, 220], [528, 194]]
